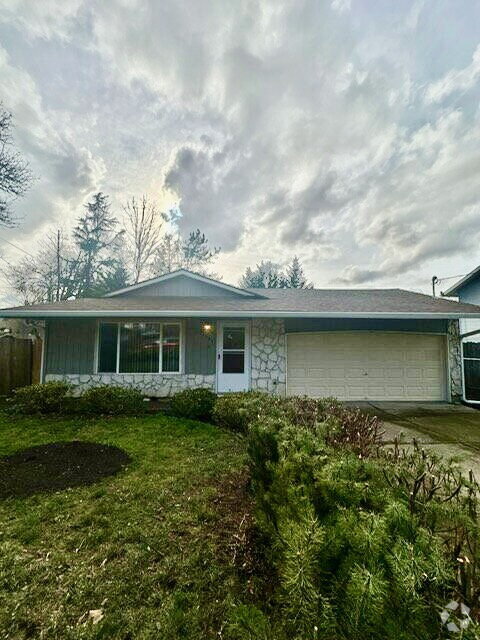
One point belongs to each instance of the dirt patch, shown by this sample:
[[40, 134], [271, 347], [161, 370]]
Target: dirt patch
[[239, 541], [57, 466]]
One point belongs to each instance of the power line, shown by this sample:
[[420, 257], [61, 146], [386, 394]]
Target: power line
[[451, 277], [15, 246]]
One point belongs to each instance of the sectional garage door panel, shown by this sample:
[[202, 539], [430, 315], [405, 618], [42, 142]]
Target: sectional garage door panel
[[367, 366]]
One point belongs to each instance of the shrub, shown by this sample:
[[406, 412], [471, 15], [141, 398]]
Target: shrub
[[195, 404], [111, 400], [237, 411], [49, 397], [366, 543], [358, 431]]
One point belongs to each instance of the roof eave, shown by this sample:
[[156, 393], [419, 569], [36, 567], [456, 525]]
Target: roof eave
[[458, 286], [27, 313]]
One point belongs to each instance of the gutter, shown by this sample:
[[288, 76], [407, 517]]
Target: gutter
[[233, 314]]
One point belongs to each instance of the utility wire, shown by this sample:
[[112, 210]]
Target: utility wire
[[15, 246]]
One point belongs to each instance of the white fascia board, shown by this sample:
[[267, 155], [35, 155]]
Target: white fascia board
[[231, 314]]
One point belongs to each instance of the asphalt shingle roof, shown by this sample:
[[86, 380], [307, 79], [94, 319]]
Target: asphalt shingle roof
[[344, 302]]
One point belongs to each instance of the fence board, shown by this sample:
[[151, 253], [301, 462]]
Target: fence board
[[15, 363]]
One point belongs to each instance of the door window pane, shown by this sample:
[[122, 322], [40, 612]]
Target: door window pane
[[233, 362], [139, 347], [234, 337], [171, 348], [472, 379], [107, 353]]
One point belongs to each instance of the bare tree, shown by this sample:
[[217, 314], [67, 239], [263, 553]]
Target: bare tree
[[143, 223], [53, 273], [193, 253], [15, 175]]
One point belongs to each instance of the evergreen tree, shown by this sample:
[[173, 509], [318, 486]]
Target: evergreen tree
[[269, 275], [295, 277], [97, 238], [266, 275]]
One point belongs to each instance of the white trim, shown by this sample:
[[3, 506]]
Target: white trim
[[453, 290], [186, 273], [119, 333], [95, 346], [175, 313], [118, 323], [42, 356]]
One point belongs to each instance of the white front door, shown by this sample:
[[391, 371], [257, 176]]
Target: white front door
[[233, 356]]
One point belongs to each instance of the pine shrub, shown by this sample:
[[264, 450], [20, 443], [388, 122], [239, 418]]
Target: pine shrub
[[366, 543]]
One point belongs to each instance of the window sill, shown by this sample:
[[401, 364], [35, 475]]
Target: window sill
[[139, 373]]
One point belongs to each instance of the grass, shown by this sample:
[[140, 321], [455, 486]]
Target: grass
[[148, 547]]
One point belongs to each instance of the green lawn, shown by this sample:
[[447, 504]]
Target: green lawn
[[150, 547]]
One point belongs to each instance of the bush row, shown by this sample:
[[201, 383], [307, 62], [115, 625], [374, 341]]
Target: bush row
[[56, 397], [365, 542]]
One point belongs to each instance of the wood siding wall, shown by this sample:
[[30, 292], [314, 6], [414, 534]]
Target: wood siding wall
[[183, 287], [200, 349], [70, 347]]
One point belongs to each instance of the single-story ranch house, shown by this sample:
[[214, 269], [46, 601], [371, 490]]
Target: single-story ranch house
[[185, 330]]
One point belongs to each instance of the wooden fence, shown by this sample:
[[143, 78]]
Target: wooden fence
[[20, 362]]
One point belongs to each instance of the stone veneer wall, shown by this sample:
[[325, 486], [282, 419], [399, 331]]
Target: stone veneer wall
[[268, 364], [151, 384], [455, 360]]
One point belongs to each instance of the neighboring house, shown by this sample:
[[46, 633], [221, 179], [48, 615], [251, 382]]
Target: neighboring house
[[185, 330], [468, 290]]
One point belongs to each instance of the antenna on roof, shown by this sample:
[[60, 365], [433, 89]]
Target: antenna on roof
[[436, 281]]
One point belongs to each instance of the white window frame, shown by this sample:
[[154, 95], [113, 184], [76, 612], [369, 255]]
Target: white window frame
[[181, 358]]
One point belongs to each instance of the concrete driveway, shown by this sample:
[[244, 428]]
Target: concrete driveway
[[449, 429]]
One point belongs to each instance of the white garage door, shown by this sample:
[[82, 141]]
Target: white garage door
[[367, 366]]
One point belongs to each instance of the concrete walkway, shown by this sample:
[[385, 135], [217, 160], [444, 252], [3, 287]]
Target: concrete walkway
[[449, 430]]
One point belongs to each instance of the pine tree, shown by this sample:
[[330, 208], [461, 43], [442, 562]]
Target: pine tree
[[266, 275], [295, 277], [97, 238]]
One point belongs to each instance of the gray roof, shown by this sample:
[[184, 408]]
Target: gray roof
[[370, 303], [457, 287]]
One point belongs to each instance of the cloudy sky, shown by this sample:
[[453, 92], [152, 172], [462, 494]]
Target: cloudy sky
[[344, 131]]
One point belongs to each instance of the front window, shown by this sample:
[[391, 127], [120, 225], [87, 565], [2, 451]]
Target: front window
[[139, 347]]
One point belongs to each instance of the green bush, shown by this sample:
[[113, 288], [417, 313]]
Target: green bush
[[195, 404], [366, 543], [113, 401], [49, 397], [238, 410]]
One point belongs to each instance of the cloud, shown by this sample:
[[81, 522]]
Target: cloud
[[280, 128], [42, 19], [64, 172], [456, 80]]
